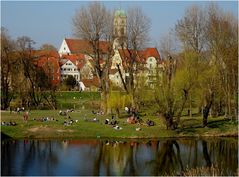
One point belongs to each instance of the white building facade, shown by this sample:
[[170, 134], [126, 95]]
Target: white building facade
[[69, 68]]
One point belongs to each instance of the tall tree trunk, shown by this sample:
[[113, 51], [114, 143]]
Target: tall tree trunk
[[190, 106], [207, 108], [182, 107]]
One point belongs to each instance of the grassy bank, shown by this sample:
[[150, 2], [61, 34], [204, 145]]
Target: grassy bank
[[88, 129]]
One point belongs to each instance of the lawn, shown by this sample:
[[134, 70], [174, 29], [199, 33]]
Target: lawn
[[77, 100], [87, 129]]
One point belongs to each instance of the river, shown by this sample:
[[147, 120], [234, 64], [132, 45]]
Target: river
[[117, 157]]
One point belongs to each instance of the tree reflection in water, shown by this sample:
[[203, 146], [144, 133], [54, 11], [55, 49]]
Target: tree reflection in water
[[101, 157]]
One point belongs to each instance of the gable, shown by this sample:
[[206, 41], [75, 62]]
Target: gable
[[68, 64], [64, 49]]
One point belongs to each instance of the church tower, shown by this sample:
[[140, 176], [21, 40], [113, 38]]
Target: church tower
[[120, 30]]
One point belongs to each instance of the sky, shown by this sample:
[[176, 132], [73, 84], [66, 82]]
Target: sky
[[51, 21]]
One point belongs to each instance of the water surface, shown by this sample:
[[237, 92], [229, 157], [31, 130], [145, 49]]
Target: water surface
[[103, 157]]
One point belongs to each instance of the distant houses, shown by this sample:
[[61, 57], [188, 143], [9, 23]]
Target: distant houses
[[75, 57], [78, 62]]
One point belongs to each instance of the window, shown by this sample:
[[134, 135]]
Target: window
[[150, 60], [74, 69], [64, 69]]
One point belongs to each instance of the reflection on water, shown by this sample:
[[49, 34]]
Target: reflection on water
[[102, 157]]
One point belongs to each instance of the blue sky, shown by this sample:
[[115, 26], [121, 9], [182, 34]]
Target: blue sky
[[51, 21]]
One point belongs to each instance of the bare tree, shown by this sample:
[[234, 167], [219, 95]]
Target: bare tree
[[191, 29], [48, 47], [95, 24], [25, 50], [222, 40], [138, 26], [168, 44]]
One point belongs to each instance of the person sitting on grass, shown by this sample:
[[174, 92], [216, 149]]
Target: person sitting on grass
[[131, 120], [107, 121], [150, 122], [113, 121], [62, 113]]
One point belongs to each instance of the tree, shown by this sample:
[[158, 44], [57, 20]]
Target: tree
[[138, 25], [168, 44], [48, 47], [222, 40], [8, 61], [191, 29], [25, 50], [211, 34], [165, 94], [70, 81], [95, 24]]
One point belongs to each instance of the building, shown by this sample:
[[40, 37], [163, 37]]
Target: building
[[79, 46], [120, 29], [77, 57]]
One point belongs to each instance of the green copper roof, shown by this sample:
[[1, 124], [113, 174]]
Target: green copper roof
[[120, 13]]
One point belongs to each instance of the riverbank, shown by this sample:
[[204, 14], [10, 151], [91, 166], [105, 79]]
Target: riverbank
[[84, 126]]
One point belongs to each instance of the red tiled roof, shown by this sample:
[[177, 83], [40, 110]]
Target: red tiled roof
[[151, 52], [79, 56], [141, 55], [91, 82], [83, 46]]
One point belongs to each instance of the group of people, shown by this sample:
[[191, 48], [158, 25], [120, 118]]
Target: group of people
[[113, 122], [17, 110], [8, 123], [45, 119], [70, 122], [97, 112], [134, 117]]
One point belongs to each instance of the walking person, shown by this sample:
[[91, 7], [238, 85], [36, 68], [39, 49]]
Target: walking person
[[26, 116]]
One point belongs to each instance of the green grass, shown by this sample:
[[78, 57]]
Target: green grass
[[83, 129], [77, 100]]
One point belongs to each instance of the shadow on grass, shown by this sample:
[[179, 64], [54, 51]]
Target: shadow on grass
[[189, 126], [189, 129], [217, 123]]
